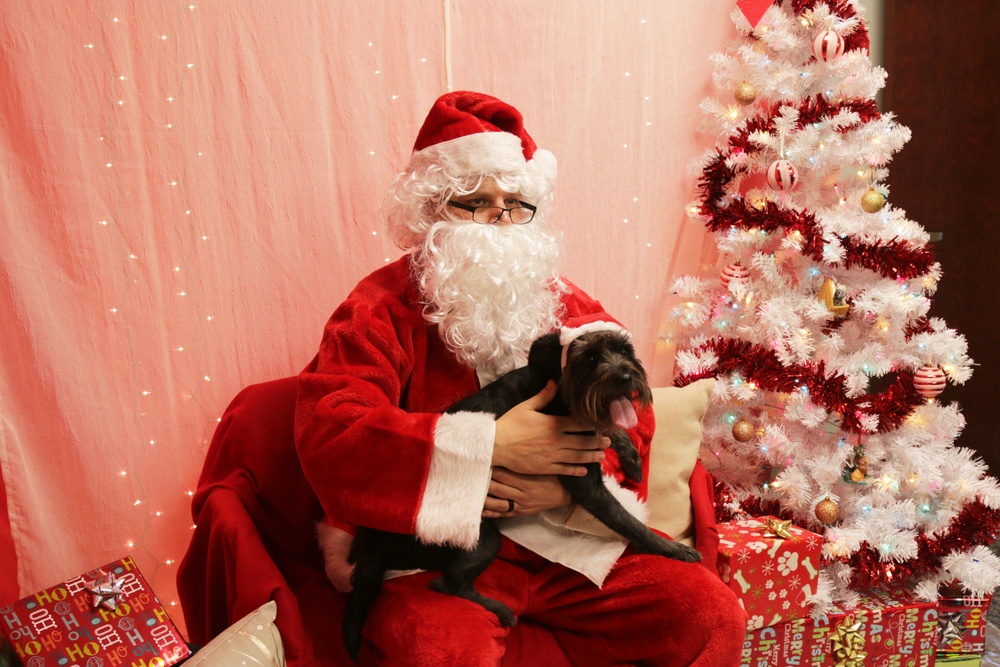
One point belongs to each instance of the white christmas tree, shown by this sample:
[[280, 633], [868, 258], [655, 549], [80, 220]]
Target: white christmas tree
[[816, 325]]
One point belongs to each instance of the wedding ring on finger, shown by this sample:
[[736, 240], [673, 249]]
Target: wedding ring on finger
[[510, 505]]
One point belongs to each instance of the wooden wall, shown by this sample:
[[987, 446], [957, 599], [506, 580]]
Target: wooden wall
[[944, 84]]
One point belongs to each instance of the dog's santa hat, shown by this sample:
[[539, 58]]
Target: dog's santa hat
[[472, 133]]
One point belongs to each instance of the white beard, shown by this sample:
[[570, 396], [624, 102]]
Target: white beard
[[491, 289]]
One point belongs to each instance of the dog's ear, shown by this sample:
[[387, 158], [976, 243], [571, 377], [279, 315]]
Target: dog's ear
[[546, 356]]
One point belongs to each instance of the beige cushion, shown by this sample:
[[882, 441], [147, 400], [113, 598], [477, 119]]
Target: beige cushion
[[253, 640], [672, 455]]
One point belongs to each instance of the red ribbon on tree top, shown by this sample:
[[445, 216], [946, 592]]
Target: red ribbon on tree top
[[754, 9]]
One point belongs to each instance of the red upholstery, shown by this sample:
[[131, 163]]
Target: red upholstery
[[255, 539]]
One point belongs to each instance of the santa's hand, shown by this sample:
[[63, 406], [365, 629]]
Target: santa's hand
[[533, 443], [514, 494]]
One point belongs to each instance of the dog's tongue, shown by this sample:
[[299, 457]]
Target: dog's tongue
[[623, 414]]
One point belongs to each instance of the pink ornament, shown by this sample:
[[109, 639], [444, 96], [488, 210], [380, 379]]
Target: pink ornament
[[828, 45], [734, 271], [929, 381], [782, 175]]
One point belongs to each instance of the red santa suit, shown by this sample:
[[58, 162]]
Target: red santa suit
[[378, 452], [374, 449]]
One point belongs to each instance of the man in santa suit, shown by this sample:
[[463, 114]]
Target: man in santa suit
[[477, 286]]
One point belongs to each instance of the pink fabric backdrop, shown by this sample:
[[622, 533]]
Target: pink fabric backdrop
[[189, 189]]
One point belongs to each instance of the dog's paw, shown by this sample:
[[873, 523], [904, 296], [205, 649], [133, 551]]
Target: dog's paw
[[686, 554], [505, 615]]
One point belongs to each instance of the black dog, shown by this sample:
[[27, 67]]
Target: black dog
[[600, 379]]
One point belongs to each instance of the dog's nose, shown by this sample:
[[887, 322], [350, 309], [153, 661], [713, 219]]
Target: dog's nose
[[624, 379]]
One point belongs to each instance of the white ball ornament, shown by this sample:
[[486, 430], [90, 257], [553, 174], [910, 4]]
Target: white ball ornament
[[734, 271], [828, 45], [782, 175], [929, 381]]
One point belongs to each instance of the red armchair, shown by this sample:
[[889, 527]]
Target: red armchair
[[255, 539]]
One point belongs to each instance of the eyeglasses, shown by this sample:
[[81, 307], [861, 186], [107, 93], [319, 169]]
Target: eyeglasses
[[490, 215]]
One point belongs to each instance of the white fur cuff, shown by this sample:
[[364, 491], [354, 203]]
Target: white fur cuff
[[452, 505]]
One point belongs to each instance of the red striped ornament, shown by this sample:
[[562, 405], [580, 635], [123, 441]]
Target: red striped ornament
[[782, 175], [929, 381], [734, 271], [828, 45]]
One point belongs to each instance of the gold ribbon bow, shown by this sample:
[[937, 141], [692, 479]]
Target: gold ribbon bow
[[777, 528], [848, 644]]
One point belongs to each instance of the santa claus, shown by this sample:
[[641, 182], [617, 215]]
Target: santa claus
[[477, 286]]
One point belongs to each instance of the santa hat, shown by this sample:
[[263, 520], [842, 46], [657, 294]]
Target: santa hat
[[472, 133], [578, 326]]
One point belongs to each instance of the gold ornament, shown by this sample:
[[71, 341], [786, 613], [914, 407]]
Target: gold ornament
[[745, 93], [848, 643], [777, 528], [833, 297], [872, 201], [743, 431], [827, 511]]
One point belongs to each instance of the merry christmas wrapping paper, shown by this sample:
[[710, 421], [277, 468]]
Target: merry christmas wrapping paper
[[886, 629], [959, 659], [771, 565], [108, 617]]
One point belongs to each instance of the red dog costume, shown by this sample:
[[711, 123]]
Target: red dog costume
[[376, 450]]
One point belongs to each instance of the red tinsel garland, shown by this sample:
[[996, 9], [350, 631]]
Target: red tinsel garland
[[857, 39], [761, 366], [895, 259], [922, 325], [976, 525]]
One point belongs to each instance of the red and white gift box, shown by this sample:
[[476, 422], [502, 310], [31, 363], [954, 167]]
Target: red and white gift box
[[108, 616], [773, 577]]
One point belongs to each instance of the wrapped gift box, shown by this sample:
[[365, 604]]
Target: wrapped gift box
[[886, 628], [963, 623], [773, 576], [959, 659], [108, 616]]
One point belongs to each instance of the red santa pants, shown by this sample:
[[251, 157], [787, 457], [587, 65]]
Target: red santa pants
[[650, 611]]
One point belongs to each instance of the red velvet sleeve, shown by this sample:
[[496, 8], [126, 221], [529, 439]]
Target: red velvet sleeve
[[369, 404], [706, 533]]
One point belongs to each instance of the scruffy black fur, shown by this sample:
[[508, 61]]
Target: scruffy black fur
[[600, 367]]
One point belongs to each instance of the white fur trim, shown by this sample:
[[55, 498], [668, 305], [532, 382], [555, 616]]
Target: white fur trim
[[490, 153], [582, 543], [452, 504], [568, 335], [480, 153]]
